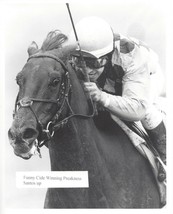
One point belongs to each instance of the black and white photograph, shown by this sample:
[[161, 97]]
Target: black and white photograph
[[86, 106]]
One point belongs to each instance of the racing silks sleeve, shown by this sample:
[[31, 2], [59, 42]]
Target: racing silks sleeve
[[132, 105]]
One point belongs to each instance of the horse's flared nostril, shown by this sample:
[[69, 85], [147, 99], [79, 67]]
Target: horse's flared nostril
[[11, 135], [29, 133]]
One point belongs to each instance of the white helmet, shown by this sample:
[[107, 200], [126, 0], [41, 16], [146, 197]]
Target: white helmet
[[95, 37]]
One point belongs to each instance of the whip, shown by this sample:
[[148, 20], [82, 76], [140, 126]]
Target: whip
[[83, 64]]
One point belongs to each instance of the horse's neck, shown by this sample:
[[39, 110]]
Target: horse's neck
[[79, 100], [74, 145]]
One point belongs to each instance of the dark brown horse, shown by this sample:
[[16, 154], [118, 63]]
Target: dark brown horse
[[119, 177]]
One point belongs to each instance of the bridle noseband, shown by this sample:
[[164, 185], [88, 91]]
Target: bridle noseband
[[63, 98]]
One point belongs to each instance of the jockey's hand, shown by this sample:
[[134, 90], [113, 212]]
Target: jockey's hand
[[93, 90], [96, 94]]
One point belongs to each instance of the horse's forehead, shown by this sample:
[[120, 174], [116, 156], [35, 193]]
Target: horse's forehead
[[45, 65], [36, 67]]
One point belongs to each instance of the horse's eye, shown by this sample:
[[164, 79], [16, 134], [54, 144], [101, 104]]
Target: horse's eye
[[55, 82]]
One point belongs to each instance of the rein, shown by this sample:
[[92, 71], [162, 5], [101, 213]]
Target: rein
[[63, 98]]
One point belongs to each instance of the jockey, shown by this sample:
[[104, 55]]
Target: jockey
[[125, 77]]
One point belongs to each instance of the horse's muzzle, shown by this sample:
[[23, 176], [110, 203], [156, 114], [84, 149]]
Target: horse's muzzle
[[24, 142]]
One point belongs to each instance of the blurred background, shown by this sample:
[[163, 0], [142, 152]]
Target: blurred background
[[27, 22]]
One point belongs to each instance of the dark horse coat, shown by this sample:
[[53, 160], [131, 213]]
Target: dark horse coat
[[119, 177]]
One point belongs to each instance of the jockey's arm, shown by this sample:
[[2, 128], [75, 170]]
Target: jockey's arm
[[126, 108], [132, 105]]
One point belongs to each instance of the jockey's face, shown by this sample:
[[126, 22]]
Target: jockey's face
[[94, 73], [94, 67]]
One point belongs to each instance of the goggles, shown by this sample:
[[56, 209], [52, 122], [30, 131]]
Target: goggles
[[90, 62]]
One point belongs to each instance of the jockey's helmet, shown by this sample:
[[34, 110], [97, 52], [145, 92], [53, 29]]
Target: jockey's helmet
[[95, 37]]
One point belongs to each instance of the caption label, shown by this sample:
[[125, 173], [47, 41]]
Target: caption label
[[53, 179]]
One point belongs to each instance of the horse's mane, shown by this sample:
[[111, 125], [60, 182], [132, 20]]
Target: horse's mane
[[54, 40]]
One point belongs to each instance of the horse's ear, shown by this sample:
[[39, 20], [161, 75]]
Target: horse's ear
[[33, 48], [68, 47]]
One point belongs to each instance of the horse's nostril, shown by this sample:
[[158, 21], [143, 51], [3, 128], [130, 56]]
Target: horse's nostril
[[29, 133], [11, 134]]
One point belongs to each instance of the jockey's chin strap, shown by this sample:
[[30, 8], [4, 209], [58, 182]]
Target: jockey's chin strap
[[63, 99]]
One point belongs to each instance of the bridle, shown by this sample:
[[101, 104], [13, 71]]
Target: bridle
[[45, 134]]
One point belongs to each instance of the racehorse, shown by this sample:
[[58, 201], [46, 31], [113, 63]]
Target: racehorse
[[52, 107]]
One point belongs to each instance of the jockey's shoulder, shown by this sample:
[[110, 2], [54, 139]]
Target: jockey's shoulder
[[126, 45]]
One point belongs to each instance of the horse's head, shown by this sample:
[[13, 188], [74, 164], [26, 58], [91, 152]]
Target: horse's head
[[43, 83]]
